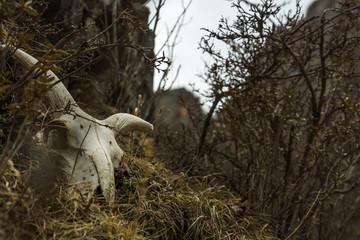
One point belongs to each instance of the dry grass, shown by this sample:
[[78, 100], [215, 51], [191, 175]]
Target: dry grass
[[153, 204]]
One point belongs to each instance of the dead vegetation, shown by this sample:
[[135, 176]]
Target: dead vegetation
[[151, 202]]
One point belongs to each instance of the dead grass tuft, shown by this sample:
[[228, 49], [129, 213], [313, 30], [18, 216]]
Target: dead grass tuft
[[152, 204]]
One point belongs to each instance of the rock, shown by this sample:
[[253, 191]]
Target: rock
[[176, 103], [318, 6], [121, 76]]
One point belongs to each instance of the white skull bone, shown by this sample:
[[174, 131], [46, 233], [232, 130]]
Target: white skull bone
[[89, 145]]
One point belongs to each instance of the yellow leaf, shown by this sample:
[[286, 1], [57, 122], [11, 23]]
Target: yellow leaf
[[33, 13], [50, 46], [29, 37]]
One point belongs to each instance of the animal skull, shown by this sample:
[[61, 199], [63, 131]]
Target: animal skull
[[88, 144]]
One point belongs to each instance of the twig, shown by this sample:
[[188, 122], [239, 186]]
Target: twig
[[306, 216], [218, 97], [79, 151]]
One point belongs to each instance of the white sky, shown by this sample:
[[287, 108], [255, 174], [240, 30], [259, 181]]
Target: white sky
[[201, 14]]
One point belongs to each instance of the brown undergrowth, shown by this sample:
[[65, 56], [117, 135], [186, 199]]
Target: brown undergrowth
[[151, 203]]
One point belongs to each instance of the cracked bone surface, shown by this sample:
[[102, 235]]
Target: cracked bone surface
[[88, 144]]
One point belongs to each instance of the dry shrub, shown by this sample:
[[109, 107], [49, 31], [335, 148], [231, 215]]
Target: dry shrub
[[283, 129], [151, 202]]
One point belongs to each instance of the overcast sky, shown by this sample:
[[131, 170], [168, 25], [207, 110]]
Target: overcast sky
[[201, 14]]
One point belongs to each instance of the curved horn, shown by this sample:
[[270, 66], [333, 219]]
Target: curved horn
[[124, 122], [58, 96]]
